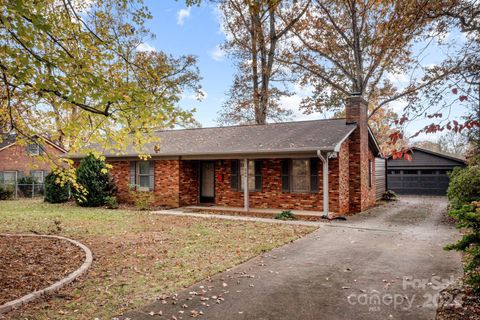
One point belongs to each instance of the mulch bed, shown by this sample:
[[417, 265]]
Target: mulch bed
[[33, 263], [458, 302]]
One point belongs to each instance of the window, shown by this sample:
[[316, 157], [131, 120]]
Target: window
[[301, 175], [37, 175], [254, 175], [33, 149], [142, 175], [370, 173], [234, 170], [8, 177]]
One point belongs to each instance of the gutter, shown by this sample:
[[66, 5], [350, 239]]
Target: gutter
[[339, 144], [249, 152]]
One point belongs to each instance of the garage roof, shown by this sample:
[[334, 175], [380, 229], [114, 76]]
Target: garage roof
[[427, 158]]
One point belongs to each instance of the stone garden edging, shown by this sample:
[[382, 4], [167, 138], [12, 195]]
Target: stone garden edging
[[6, 307]]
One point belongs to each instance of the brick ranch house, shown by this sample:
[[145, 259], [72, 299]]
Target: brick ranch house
[[19, 160], [285, 165]]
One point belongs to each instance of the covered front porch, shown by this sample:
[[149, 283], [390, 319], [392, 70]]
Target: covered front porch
[[263, 186]]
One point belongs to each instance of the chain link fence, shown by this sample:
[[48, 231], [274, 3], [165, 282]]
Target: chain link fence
[[23, 190]]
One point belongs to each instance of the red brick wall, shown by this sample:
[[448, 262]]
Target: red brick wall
[[344, 179], [16, 158], [361, 195], [121, 175], [333, 183], [177, 184], [166, 185], [167, 179], [189, 182], [271, 195]]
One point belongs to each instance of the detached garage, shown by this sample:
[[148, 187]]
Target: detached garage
[[425, 174]]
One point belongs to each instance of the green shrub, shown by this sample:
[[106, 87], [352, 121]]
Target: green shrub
[[5, 193], [93, 176], [468, 217], [143, 200], [389, 195], [55, 191], [464, 186], [286, 215], [111, 202]]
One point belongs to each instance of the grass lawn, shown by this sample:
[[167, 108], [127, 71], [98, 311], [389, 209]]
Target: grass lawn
[[137, 255]]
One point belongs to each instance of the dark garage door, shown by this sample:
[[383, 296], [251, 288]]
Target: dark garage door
[[419, 182]]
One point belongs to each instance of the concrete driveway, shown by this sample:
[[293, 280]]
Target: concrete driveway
[[387, 263]]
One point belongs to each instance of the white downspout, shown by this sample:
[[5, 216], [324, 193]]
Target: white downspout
[[245, 185], [324, 159]]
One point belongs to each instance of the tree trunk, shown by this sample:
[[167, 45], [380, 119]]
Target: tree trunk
[[254, 35]]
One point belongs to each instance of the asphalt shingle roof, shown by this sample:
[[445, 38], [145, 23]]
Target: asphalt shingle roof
[[245, 139], [10, 138]]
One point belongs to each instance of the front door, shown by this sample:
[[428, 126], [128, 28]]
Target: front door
[[207, 183]]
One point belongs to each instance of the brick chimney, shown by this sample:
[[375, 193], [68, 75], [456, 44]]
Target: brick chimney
[[356, 109], [360, 191]]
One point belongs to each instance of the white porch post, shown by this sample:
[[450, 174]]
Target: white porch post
[[245, 184], [325, 188], [324, 158]]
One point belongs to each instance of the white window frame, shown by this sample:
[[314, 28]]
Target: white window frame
[[32, 173], [10, 171], [37, 150], [138, 175]]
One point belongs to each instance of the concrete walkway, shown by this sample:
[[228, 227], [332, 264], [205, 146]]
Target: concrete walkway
[[322, 223], [388, 263], [267, 213], [186, 213]]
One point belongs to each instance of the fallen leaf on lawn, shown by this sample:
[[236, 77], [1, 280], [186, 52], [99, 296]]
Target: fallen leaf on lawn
[[194, 313]]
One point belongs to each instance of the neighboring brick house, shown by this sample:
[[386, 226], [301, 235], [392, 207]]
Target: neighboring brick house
[[19, 160], [286, 162]]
